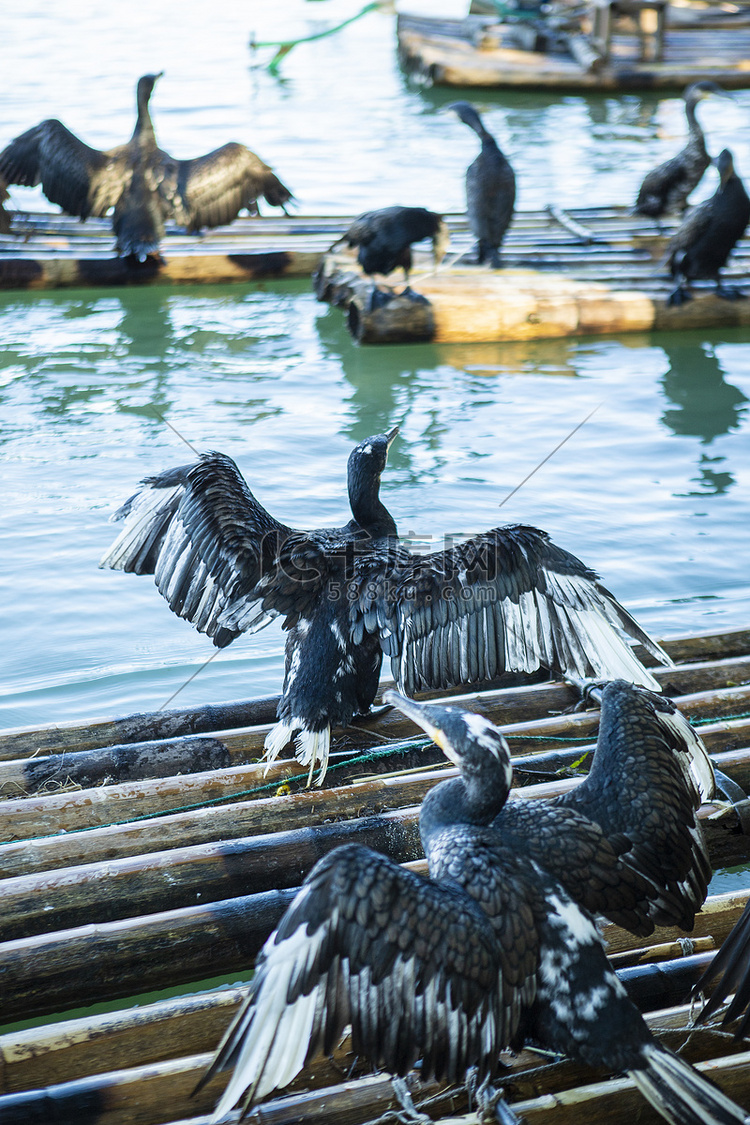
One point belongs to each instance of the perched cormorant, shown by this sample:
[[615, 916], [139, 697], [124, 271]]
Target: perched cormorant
[[505, 600], [626, 842], [4, 216], [385, 238], [145, 185], [708, 235], [485, 953], [732, 965], [490, 189], [667, 187]]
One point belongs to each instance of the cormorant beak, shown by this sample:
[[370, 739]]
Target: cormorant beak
[[389, 437], [416, 712]]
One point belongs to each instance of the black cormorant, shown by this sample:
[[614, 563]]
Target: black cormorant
[[490, 189], [732, 965], [145, 185], [667, 187], [385, 238], [705, 240], [505, 600], [485, 953], [626, 842], [4, 216]]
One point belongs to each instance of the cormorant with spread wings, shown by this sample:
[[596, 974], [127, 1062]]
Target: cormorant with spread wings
[[144, 184], [508, 599]]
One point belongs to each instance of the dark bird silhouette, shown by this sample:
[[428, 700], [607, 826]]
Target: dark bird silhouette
[[485, 953], [385, 238], [732, 965], [490, 189], [508, 599], [145, 185], [667, 187], [708, 235], [4, 216]]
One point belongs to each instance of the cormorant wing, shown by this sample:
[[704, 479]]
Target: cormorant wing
[[211, 190], [692, 228], [208, 542], [733, 963], [577, 852], [508, 599], [648, 778], [657, 184], [416, 967], [81, 180]]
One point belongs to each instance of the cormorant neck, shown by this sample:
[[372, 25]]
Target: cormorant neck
[[143, 125], [367, 508], [695, 130], [474, 800]]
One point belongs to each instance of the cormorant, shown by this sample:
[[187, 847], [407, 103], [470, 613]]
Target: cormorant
[[385, 238], [507, 599], [701, 246], [144, 184], [667, 187], [732, 965], [490, 189], [485, 953], [4, 216], [626, 842]]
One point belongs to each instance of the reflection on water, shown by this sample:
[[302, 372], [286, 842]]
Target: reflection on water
[[706, 407]]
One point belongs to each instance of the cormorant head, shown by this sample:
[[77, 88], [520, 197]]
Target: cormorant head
[[145, 87], [469, 740], [725, 164], [700, 90], [468, 115]]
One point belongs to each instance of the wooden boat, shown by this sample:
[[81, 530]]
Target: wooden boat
[[152, 852], [586, 271], [480, 50]]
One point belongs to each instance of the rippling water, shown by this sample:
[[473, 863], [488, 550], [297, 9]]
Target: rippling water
[[652, 492]]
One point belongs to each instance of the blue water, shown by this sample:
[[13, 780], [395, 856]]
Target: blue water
[[652, 492]]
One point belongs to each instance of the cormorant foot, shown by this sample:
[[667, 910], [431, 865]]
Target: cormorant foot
[[490, 1101], [495, 260], [679, 296], [590, 692], [729, 292], [409, 1114], [379, 298], [410, 295], [373, 713]]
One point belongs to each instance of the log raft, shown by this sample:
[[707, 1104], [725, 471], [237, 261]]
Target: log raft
[[118, 889], [481, 51], [586, 272]]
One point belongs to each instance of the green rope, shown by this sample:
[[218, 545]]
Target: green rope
[[285, 45], [391, 750]]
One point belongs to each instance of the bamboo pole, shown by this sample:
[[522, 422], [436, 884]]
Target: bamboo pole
[[85, 965], [38, 816], [135, 885], [703, 649]]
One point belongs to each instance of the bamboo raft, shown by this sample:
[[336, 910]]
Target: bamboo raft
[[46, 250], [153, 852], [586, 271], [480, 51]]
